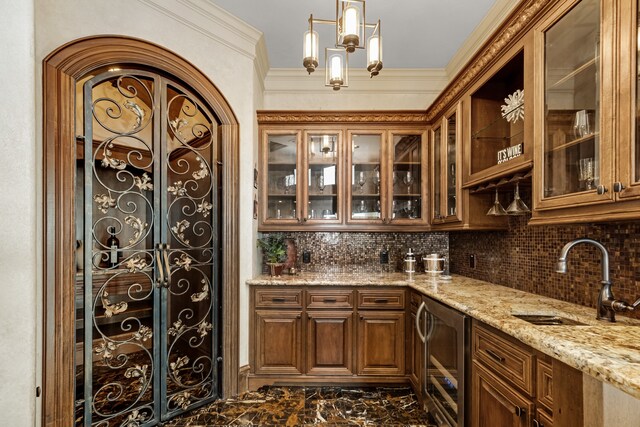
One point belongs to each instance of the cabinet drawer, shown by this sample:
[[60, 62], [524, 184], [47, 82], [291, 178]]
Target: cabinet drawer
[[507, 359], [335, 298], [384, 299], [278, 298]]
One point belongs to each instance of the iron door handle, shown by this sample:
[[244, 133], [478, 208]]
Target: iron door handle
[[167, 280], [160, 267]]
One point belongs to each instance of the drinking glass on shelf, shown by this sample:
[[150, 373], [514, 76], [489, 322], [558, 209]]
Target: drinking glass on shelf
[[361, 181], [362, 207], [408, 180], [321, 183], [586, 172], [376, 181]]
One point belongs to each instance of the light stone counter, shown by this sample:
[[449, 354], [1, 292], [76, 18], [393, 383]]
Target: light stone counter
[[606, 351]]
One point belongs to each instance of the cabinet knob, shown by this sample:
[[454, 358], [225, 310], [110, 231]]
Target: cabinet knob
[[601, 189], [618, 187], [304, 219]]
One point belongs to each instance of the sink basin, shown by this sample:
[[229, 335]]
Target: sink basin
[[548, 319]]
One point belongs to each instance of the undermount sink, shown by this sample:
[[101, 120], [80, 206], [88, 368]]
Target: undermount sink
[[548, 319]]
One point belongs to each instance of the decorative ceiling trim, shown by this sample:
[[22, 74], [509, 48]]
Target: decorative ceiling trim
[[506, 35], [339, 117]]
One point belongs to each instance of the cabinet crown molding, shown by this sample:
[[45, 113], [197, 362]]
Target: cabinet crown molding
[[360, 117]]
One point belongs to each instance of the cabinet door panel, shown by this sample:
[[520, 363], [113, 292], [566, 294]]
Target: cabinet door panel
[[493, 403], [330, 343], [278, 342], [381, 343]]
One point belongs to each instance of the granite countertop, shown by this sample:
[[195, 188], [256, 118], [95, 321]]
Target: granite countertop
[[609, 352]]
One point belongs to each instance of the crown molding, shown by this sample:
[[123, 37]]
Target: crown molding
[[215, 23], [341, 117], [392, 81], [521, 18], [492, 20]]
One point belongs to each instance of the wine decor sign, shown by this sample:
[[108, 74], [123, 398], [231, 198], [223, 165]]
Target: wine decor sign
[[510, 153]]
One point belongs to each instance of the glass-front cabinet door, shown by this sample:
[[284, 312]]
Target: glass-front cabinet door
[[280, 159], [627, 184], [323, 177], [577, 135], [408, 184], [365, 185], [436, 167]]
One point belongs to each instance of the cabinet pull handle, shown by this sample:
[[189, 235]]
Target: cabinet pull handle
[[381, 300], [278, 299], [618, 187], [601, 189], [520, 411], [494, 355], [537, 423], [299, 316], [329, 300]]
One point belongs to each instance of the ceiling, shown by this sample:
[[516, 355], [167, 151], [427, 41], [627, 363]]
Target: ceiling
[[415, 33]]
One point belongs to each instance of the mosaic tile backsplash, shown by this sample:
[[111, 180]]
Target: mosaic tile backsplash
[[353, 252], [525, 258]]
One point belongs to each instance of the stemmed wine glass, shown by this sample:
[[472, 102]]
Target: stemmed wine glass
[[496, 209], [321, 183], [517, 207], [408, 180], [361, 181]]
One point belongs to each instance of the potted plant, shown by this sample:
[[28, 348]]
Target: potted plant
[[275, 252]]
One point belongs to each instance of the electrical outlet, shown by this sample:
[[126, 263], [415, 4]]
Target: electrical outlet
[[306, 257], [384, 256], [472, 261]]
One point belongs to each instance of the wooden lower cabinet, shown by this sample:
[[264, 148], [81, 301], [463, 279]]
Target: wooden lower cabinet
[[329, 342], [496, 404], [278, 342], [381, 342], [543, 419]]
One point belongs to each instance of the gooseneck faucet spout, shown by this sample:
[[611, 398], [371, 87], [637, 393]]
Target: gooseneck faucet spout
[[562, 261], [607, 304]]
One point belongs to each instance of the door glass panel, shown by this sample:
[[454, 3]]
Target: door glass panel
[[191, 233], [115, 280], [407, 170], [437, 173], [451, 166], [282, 176], [366, 177], [322, 176], [443, 372], [572, 51]]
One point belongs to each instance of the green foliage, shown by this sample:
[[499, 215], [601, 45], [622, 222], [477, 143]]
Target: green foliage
[[273, 248]]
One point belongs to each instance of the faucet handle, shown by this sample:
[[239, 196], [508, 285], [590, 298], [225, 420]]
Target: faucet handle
[[624, 306]]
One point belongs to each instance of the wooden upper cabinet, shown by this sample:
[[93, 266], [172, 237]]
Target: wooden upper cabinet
[[587, 151], [343, 171], [446, 157], [499, 138]]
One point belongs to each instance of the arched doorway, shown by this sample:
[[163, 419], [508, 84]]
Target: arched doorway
[[110, 60]]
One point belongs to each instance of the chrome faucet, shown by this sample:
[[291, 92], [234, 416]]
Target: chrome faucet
[[607, 304]]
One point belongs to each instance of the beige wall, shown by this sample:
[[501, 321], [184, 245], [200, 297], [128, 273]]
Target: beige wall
[[19, 244]]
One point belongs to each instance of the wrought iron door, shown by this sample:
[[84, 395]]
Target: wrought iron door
[[147, 302]]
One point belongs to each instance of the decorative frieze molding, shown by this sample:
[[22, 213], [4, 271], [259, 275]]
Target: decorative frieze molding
[[364, 117], [511, 30]]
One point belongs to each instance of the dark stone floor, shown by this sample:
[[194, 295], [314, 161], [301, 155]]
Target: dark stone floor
[[312, 406]]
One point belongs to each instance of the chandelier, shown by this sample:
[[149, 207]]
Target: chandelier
[[351, 28]]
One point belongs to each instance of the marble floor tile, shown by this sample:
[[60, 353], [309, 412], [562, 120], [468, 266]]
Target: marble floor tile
[[312, 406]]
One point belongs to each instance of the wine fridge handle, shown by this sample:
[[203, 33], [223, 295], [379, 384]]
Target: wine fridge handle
[[418, 315]]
